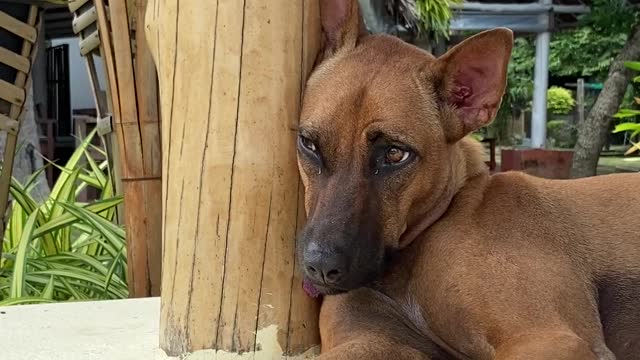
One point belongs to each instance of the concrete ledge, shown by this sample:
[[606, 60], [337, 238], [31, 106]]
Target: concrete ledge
[[97, 330], [106, 330]]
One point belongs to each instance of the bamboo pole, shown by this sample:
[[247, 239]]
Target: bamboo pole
[[231, 74], [133, 87]]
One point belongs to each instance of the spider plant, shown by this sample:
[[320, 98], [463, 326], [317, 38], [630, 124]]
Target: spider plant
[[62, 248]]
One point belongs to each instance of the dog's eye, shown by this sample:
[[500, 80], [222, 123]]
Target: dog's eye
[[396, 156], [308, 144]]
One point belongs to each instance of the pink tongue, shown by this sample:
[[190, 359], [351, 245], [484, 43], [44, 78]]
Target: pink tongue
[[308, 288]]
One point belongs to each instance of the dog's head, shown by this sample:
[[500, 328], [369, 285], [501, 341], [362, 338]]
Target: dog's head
[[380, 123]]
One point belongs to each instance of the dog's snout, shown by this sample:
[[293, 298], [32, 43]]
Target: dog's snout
[[325, 267]]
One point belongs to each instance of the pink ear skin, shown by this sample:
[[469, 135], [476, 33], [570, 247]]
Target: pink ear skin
[[342, 25], [474, 75]]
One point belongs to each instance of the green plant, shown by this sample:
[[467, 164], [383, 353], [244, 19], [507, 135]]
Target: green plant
[[431, 17], [64, 249], [584, 52], [559, 100], [625, 113], [589, 49], [561, 134], [435, 16], [519, 89]]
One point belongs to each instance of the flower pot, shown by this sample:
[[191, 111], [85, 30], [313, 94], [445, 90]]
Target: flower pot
[[550, 164]]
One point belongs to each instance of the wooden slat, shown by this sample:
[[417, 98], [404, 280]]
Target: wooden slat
[[113, 105], [128, 121], [107, 56], [16, 61], [81, 22], [8, 124], [11, 93], [89, 43], [12, 138], [17, 27], [76, 4]]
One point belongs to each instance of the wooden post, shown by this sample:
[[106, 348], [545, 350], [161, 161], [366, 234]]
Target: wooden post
[[133, 87], [231, 74]]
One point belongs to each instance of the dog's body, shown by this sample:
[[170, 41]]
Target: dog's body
[[516, 266], [443, 260]]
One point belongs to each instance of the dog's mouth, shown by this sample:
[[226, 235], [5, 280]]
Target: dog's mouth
[[365, 278], [317, 290]]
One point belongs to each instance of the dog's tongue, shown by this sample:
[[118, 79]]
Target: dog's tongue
[[309, 289]]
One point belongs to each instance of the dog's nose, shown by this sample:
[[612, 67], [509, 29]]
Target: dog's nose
[[327, 268]]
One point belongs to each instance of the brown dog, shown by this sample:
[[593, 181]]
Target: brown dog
[[425, 254]]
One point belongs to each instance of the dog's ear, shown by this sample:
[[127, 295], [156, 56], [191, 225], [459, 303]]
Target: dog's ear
[[342, 25], [473, 75]]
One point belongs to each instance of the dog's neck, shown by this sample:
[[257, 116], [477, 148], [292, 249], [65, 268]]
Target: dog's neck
[[466, 164]]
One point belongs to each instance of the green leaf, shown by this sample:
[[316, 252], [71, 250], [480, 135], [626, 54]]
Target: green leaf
[[73, 163], [110, 231], [47, 293], [74, 293], [633, 65], [110, 274], [626, 127], [95, 170], [70, 218], [84, 276], [20, 265], [25, 300], [625, 113], [66, 194], [32, 180]]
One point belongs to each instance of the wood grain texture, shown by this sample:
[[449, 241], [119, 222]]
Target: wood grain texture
[[134, 101], [16, 61], [231, 73], [74, 5], [12, 93], [26, 30]]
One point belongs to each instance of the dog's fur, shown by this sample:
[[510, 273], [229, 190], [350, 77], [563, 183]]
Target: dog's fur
[[433, 258]]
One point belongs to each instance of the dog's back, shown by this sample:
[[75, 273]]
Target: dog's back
[[594, 221]]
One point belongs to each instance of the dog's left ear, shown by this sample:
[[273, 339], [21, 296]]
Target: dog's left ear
[[473, 76], [342, 26]]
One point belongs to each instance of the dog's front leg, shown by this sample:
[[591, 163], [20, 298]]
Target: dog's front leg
[[361, 325]]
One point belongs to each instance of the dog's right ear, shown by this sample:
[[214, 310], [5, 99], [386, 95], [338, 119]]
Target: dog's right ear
[[342, 25], [474, 78]]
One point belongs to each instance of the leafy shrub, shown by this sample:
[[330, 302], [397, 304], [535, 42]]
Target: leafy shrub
[[632, 127], [63, 249], [561, 134], [559, 100]]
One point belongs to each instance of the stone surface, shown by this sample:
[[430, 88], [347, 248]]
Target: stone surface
[[106, 330], [99, 330]]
